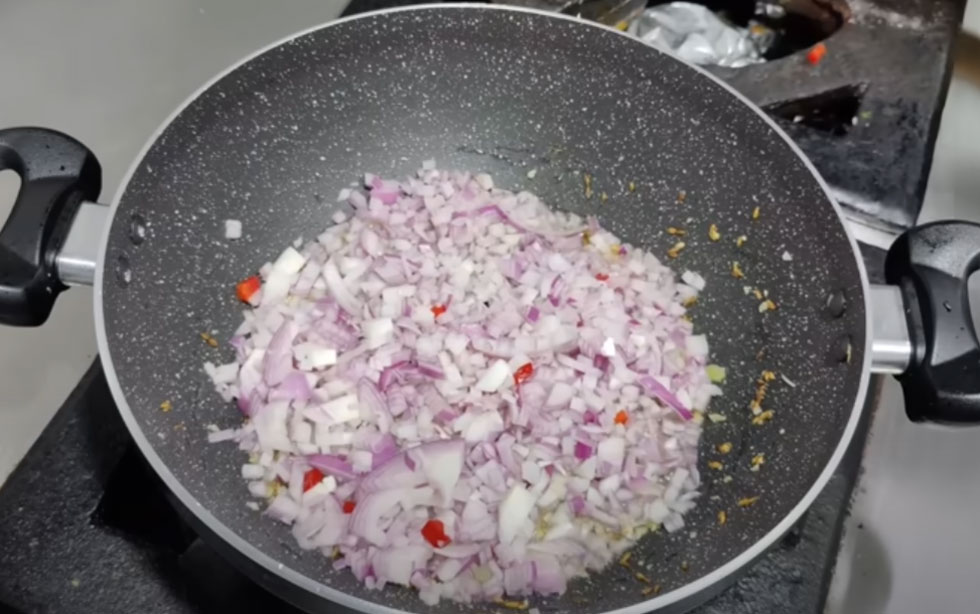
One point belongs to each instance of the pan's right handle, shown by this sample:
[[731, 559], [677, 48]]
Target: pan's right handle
[[57, 175], [931, 264]]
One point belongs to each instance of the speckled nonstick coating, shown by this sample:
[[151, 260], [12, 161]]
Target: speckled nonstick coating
[[488, 89]]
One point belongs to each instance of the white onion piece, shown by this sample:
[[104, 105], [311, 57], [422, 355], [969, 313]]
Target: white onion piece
[[233, 229], [514, 511], [341, 294], [693, 279], [441, 463], [494, 377], [367, 517]]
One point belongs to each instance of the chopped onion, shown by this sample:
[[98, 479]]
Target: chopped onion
[[233, 229], [464, 365], [494, 377], [693, 279], [514, 511]]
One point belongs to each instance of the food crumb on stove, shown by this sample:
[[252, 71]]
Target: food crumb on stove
[[740, 241], [787, 380], [209, 339], [716, 465], [587, 179], [847, 353], [716, 418], [166, 406], [625, 560], [747, 289], [757, 293], [768, 375], [787, 256], [681, 196], [758, 460], [685, 566], [724, 448], [816, 53], [75, 582], [511, 604], [726, 479], [690, 301], [737, 271], [532, 173], [722, 517], [756, 213], [252, 505], [762, 418], [747, 501], [676, 250], [677, 232], [641, 577], [631, 187], [713, 233], [603, 197], [767, 305], [648, 590]]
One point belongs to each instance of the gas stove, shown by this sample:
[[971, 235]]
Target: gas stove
[[88, 527]]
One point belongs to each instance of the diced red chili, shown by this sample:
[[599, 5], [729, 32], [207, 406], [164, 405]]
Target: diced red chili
[[349, 506], [438, 310], [311, 478], [601, 276], [523, 373], [621, 417], [434, 532], [248, 287]]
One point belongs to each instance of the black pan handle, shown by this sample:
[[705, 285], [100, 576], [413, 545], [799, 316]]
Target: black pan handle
[[931, 264], [57, 173]]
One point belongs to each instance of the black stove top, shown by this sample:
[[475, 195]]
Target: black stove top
[[88, 528]]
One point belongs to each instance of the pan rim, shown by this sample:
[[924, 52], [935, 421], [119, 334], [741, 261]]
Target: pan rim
[[319, 589]]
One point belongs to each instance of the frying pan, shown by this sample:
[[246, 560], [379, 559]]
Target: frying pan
[[272, 140]]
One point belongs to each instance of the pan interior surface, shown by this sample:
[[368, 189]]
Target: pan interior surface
[[505, 92]]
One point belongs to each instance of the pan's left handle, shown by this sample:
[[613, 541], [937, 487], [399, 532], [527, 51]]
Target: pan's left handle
[[58, 174]]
